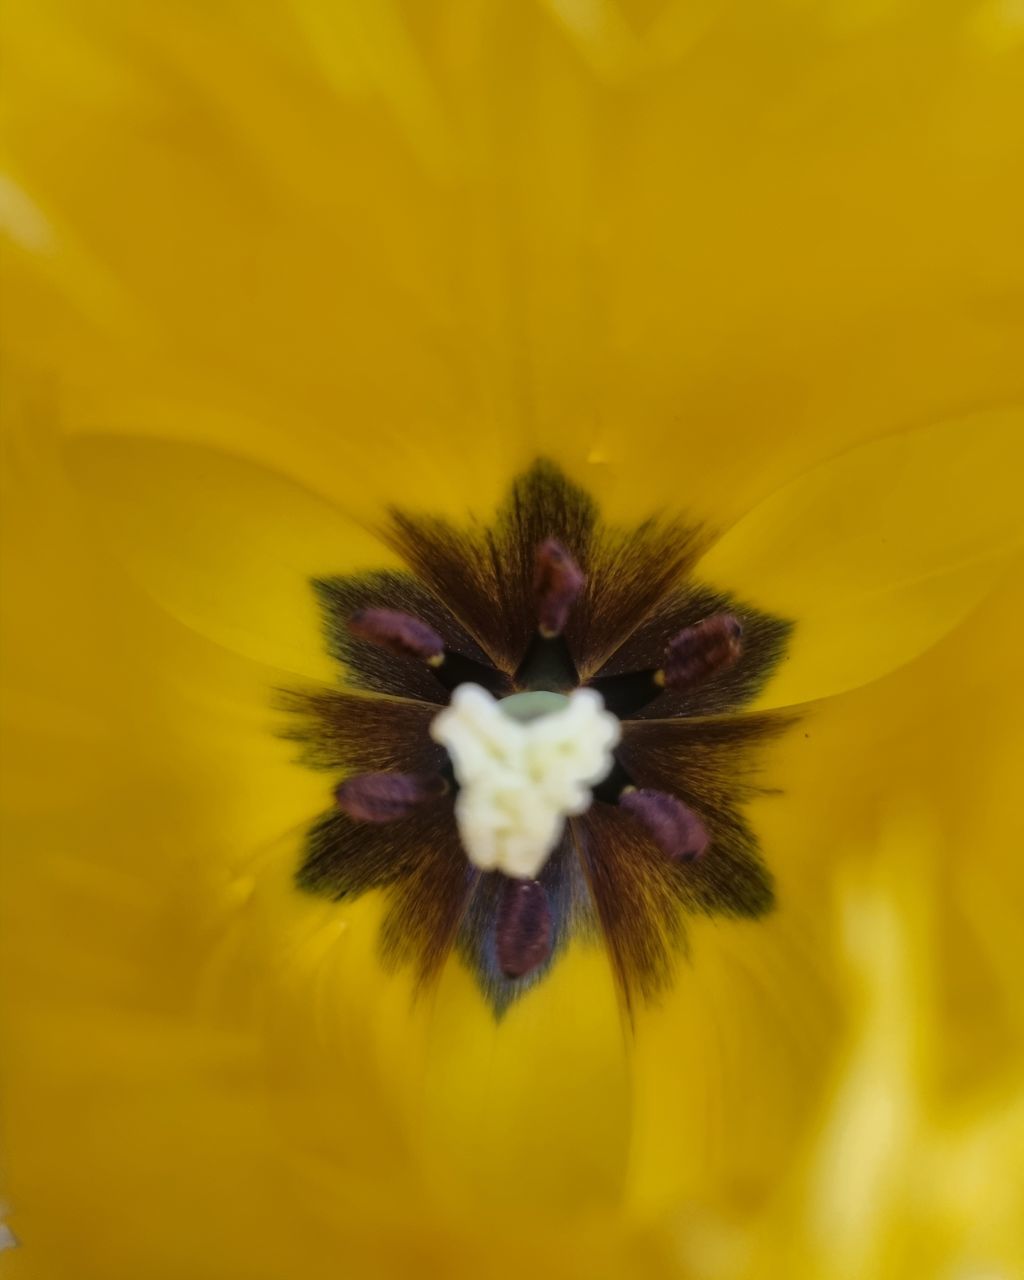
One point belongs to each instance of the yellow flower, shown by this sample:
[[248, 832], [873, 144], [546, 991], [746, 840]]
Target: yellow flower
[[273, 271]]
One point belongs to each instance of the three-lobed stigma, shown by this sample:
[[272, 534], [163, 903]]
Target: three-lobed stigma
[[520, 779]]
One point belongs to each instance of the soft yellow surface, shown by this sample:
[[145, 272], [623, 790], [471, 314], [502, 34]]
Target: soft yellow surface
[[270, 267]]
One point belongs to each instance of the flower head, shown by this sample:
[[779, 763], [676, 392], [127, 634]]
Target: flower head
[[552, 662], [748, 275]]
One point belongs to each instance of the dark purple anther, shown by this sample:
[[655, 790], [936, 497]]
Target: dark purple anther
[[384, 797], [525, 928], [557, 583], [703, 650], [674, 828], [399, 632]]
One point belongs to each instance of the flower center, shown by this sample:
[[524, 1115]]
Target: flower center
[[553, 749], [524, 764]]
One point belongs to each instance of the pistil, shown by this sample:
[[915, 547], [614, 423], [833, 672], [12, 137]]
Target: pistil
[[520, 779]]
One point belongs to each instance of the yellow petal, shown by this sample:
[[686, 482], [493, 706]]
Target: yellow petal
[[287, 232], [535, 1107], [880, 552], [713, 1127], [227, 547]]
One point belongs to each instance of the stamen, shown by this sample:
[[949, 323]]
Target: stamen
[[399, 632], [385, 797], [674, 828], [557, 583], [702, 650], [524, 928]]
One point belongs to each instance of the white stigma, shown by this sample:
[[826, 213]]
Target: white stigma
[[523, 770]]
